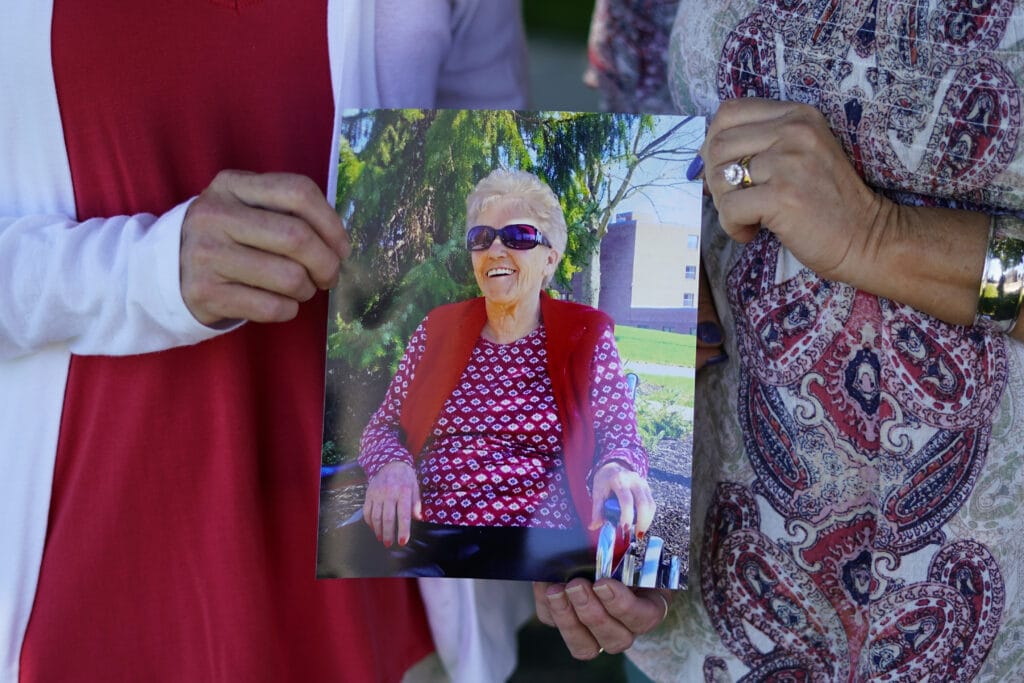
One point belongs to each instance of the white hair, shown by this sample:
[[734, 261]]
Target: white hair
[[524, 192]]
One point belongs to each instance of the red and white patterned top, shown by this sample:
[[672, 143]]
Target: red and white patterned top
[[494, 456]]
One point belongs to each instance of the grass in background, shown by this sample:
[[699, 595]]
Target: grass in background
[[680, 387], [660, 395], [655, 346]]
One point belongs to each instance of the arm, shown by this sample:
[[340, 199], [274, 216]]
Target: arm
[[392, 496], [620, 466], [457, 54], [251, 247], [105, 286], [928, 258], [486, 65], [614, 410]]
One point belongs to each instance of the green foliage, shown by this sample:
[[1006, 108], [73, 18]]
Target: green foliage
[[403, 178], [349, 168], [659, 418], [329, 454], [567, 19]]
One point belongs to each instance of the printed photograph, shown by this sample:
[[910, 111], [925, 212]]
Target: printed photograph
[[510, 350]]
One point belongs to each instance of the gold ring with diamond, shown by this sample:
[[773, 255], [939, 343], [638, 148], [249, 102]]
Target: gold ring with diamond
[[737, 173]]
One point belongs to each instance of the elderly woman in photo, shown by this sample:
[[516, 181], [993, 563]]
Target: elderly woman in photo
[[509, 411]]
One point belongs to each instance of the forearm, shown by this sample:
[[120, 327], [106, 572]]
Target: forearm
[[611, 403], [925, 257], [105, 286], [633, 459], [382, 445], [382, 442]]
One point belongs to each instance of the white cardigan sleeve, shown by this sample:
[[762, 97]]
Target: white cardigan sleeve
[[104, 286]]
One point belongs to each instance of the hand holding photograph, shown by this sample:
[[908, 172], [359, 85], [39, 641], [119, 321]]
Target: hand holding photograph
[[510, 352]]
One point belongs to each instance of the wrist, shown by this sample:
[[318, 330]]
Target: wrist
[[883, 238], [925, 257]]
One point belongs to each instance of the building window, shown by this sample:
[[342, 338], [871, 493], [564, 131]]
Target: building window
[[692, 241], [687, 300], [691, 272]]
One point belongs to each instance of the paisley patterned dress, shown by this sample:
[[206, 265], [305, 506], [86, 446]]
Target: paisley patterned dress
[[859, 487]]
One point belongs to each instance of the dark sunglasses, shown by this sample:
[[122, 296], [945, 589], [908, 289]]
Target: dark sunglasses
[[515, 236]]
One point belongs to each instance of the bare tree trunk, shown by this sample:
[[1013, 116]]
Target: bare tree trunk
[[589, 290]]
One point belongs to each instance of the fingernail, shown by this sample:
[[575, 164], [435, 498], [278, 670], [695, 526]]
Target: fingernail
[[709, 332], [387, 543], [576, 595], [403, 540], [557, 598], [603, 591], [717, 360], [695, 169], [640, 535]]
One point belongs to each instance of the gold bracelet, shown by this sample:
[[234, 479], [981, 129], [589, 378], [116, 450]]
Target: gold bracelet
[[1002, 280]]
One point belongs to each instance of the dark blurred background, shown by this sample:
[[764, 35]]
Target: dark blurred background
[[557, 35]]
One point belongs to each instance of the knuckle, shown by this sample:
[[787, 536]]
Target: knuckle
[[330, 272], [227, 175], [716, 148], [225, 180], [294, 235], [203, 213], [544, 617], [729, 108], [299, 189], [294, 281], [276, 310], [619, 644], [202, 253], [796, 127], [806, 112], [197, 290]]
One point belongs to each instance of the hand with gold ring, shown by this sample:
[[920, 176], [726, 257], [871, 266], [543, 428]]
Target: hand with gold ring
[[796, 181], [605, 616]]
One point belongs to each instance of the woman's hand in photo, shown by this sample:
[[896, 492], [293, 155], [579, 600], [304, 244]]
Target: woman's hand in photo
[[634, 495], [392, 501]]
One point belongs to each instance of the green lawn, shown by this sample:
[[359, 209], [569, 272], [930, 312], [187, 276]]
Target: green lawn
[[680, 387], [658, 348], [655, 346]]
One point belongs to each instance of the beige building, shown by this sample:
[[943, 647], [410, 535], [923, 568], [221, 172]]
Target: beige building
[[649, 272]]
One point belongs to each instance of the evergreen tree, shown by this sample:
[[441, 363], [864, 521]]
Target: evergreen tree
[[403, 178]]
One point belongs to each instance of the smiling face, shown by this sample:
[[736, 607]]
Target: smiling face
[[509, 277]]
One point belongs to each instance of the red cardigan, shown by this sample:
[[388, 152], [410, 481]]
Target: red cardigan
[[573, 331]]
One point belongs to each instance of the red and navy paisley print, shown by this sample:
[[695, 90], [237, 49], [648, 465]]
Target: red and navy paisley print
[[910, 88], [866, 423]]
